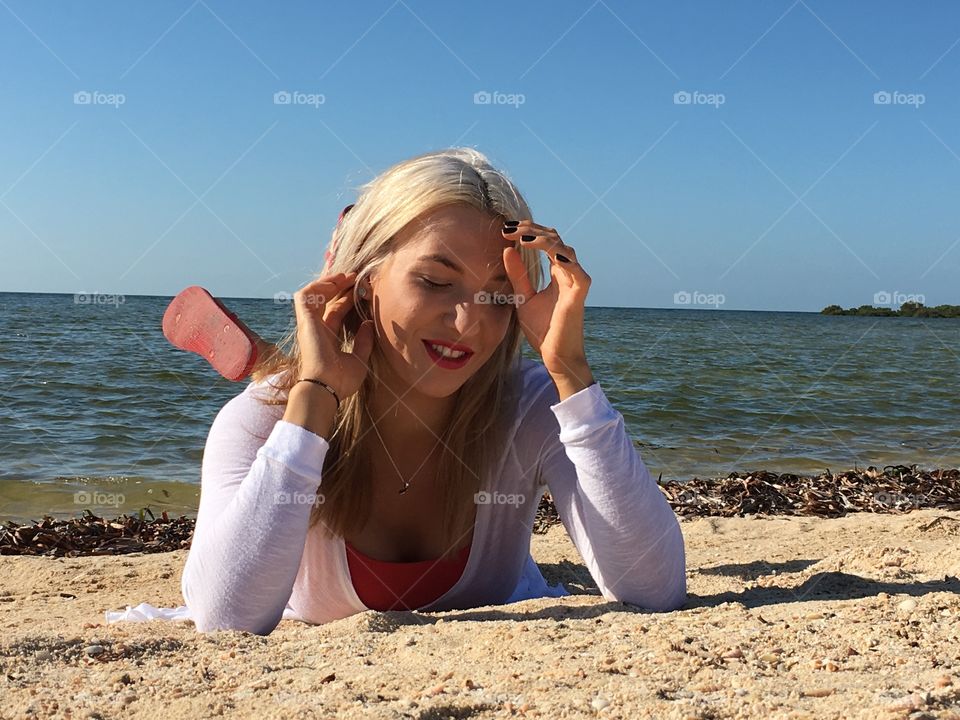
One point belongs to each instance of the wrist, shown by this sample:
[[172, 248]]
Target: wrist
[[572, 380], [325, 386], [311, 407]]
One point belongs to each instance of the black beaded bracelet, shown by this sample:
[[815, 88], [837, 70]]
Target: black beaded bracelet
[[324, 386]]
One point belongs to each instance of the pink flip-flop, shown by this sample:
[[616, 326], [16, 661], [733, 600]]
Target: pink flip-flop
[[197, 322]]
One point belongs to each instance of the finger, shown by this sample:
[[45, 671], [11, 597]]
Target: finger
[[337, 311], [517, 273], [317, 293], [337, 280], [363, 342], [537, 229], [528, 233], [564, 250], [542, 238], [564, 265]]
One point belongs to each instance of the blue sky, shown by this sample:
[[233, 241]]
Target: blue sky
[[778, 181]]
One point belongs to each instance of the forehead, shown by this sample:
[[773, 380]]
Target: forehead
[[468, 236]]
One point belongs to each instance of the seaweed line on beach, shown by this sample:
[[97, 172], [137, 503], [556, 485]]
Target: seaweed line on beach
[[90, 534], [895, 489]]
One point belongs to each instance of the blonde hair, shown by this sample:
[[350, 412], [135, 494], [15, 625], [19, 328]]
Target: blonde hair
[[363, 240]]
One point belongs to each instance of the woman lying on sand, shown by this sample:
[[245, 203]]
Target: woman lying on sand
[[394, 457]]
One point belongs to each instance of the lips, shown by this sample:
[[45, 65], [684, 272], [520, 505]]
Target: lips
[[452, 346], [445, 362]]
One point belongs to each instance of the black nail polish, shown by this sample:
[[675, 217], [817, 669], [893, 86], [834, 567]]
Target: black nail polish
[[528, 238], [508, 230], [562, 258], [512, 223]]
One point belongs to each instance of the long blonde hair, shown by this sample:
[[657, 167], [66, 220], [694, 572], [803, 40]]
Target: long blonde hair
[[363, 240]]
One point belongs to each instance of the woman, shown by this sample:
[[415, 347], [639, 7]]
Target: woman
[[394, 456]]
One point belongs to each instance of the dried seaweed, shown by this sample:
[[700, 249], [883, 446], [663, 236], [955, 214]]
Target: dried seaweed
[[895, 489], [90, 534]]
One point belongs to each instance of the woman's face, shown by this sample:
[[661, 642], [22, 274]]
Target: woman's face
[[436, 288]]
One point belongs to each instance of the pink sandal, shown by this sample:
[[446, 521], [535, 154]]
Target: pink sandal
[[197, 322]]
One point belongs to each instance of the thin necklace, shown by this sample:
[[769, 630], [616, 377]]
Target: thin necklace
[[406, 483]]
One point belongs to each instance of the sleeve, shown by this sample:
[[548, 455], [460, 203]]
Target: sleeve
[[255, 503], [617, 517]]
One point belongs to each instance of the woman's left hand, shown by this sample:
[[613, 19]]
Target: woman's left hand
[[552, 319]]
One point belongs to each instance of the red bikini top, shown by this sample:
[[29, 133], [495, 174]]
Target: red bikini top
[[382, 585]]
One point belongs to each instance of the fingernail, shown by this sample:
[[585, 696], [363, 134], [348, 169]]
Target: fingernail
[[562, 258], [528, 238], [508, 230], [512, 223]]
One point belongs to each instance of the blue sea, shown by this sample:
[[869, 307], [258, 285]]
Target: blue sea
[[102, 413]]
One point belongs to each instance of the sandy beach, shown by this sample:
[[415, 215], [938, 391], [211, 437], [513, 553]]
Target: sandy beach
[[794, 617]]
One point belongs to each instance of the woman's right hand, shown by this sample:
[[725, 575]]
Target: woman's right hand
[[320, 307]]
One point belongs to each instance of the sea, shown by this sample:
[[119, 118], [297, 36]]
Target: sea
[[102, 414]]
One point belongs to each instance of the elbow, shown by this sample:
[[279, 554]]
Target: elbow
[[672, 596], [210, 614], [214, 618], [658, 590]]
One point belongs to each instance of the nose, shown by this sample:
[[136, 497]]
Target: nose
[[466, 316]]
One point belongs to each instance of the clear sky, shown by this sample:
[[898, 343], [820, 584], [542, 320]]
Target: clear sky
[[732, 153]]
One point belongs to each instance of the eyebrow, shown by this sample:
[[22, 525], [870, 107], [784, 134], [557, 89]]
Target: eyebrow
[[444, 260]]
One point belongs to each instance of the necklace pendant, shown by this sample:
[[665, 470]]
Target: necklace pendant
[[404, 488]]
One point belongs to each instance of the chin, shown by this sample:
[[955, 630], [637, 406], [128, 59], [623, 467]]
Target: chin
[[439, 389], [437, 383]]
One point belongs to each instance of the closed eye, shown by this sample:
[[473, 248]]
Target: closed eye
[[431, 284]]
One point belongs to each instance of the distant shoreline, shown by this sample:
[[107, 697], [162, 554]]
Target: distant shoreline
[[910, 309]]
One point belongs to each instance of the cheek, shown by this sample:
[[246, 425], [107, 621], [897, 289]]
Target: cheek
[[405, 313], [498, 324]]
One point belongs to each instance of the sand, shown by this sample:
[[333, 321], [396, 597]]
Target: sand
[[793, 617]]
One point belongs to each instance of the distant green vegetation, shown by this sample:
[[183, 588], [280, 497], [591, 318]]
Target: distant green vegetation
[[910, 309]]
